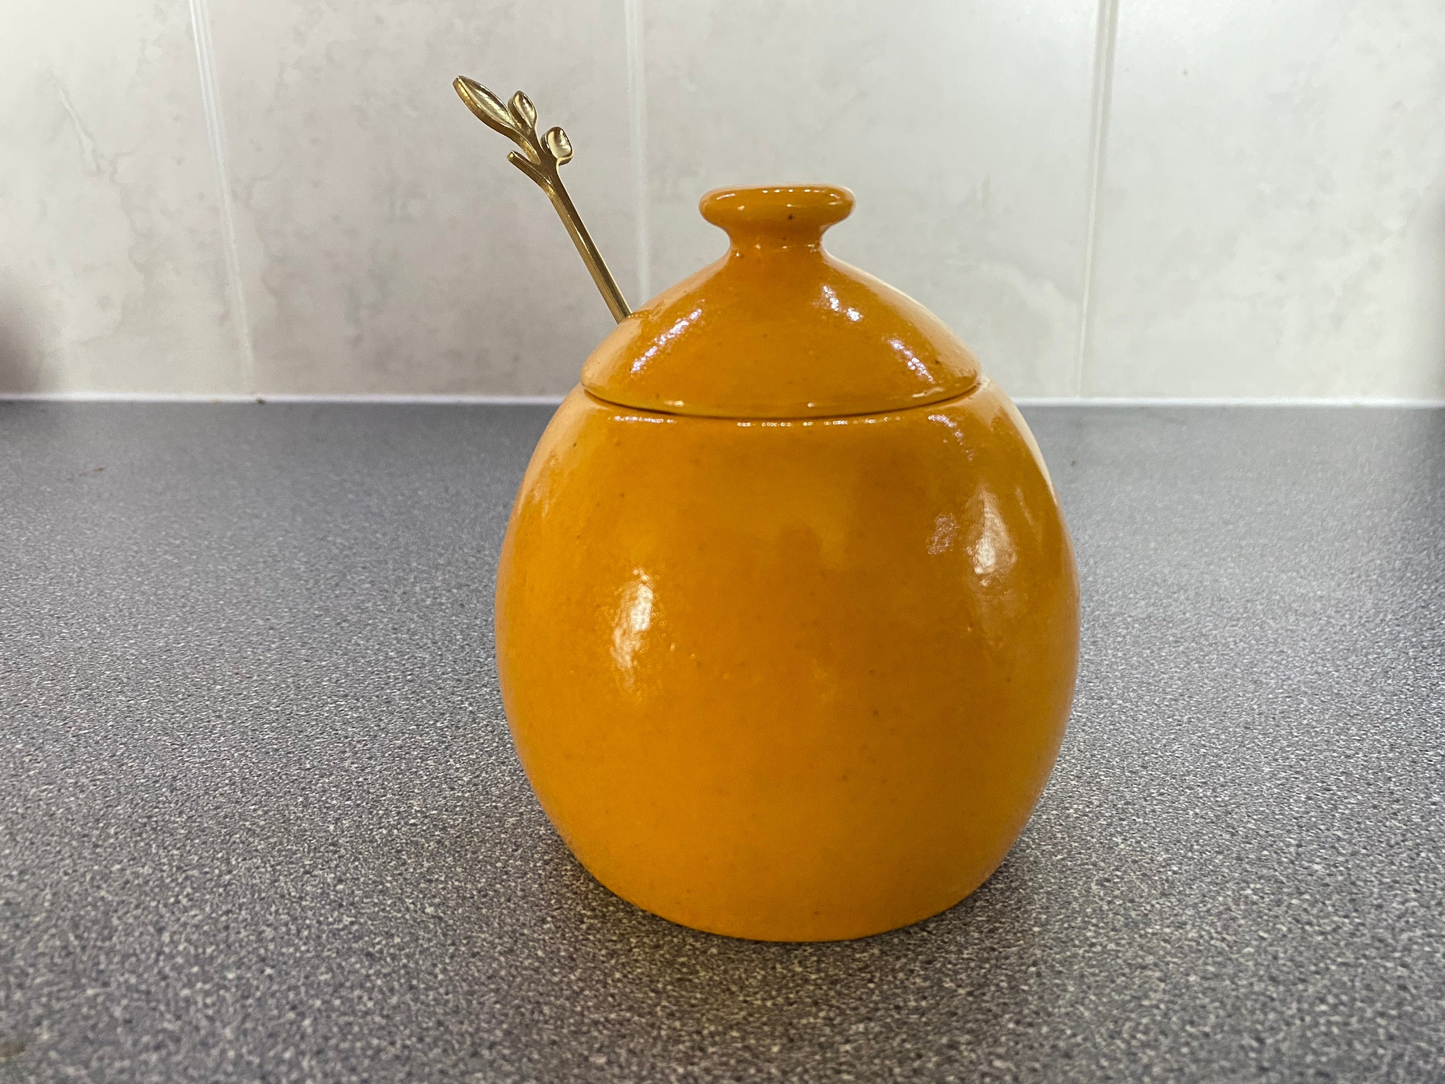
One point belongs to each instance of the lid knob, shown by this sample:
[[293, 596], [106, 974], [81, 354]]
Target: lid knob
[[777, 217]]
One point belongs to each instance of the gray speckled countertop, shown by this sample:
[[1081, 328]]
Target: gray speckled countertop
[[260, 819]]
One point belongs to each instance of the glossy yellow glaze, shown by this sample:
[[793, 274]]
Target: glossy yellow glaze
[[778, 328], [787, 678]]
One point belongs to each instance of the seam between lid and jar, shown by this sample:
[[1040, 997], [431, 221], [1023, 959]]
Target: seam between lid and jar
[[793, 419]]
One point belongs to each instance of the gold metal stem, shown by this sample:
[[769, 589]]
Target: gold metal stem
[[611, 292], [539, 160]]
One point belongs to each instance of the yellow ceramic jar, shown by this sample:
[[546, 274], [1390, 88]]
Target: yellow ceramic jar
[[787, 612]]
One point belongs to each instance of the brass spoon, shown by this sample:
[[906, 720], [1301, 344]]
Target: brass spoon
[[517, 120]]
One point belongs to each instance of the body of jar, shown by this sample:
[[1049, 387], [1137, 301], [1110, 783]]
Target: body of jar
[[789, 680]]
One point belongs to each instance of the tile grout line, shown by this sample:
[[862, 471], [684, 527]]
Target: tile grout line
[[637, 129], [1105, 35], [216, 137]]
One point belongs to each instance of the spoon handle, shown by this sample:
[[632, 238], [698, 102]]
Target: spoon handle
[[539, 160]]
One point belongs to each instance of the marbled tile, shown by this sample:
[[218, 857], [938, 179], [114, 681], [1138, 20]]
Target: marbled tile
[[962, 128], [1273, 215], [387, 245], [112, 273]]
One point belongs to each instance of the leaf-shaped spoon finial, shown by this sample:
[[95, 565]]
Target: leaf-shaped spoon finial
[[539, 159]]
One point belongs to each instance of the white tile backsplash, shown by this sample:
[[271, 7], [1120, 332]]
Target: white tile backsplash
[[962, 128], [112, 276], [1270, 217], [1273, 211], [386, 243]]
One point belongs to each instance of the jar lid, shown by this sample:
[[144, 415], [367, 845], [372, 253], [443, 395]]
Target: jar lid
[[778, 328]]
